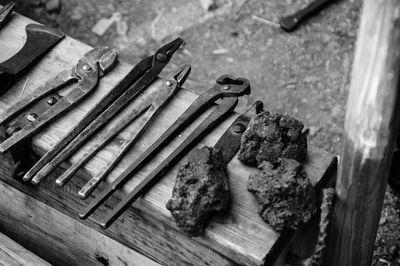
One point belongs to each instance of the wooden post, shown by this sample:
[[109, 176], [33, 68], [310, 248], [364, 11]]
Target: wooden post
[[370, 129]]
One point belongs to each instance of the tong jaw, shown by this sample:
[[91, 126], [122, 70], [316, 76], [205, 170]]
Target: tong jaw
[[234, 86], [179, 76], [100, 59], [164, 54]]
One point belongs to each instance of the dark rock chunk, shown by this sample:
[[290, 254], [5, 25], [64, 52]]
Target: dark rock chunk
[[271, 136], [284, 193], [201, 188]]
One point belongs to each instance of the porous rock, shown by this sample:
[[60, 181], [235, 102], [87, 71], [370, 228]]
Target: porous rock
[[285, 195], [271, 136], [201, 188]]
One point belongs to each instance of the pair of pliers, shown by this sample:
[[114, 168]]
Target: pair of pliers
[[86, 73], [137, 79]]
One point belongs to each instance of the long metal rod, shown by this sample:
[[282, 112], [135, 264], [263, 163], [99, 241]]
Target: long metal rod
[[224, 109], [226, 86], [136, 80], [133, 75], [101, 142], [159, 100]]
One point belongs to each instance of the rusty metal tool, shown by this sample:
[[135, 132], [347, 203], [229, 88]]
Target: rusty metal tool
[[153, 104], [226, 86], [5, 13], [218, 115], [229, 142], [291, 22], [86, 73], [124, 92], [39, 40]]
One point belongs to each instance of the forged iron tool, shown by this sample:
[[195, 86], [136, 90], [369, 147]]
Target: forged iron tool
[[124, 92], [153, 104], [5, 13], [218, 115], [291, 22], [226, 86], [229, 142], [39, 40], [93, 65]]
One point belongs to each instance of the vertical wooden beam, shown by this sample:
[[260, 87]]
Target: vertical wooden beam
[[370, 129]]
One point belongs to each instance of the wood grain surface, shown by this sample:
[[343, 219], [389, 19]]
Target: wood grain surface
[[11, 253], [239, 234], [371, 128]]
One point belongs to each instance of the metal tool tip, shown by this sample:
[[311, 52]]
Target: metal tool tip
[[104, 225], [59, 183], [182, 73], [6, 10], [26, 177], [82, 195], [34, 181]]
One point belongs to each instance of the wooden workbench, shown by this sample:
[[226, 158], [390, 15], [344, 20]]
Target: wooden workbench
[[44, 219]]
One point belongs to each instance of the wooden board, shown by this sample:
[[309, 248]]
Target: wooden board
[[239, 234], [12, 253]]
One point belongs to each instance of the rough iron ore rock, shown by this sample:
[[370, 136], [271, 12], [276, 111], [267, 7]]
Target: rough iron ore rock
[[284, 193], [201, 188], [271, 136]]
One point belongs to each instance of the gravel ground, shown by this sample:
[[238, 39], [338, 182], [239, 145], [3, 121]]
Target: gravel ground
[[304, 74]]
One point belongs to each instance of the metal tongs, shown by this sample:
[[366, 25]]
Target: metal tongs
[[119, 96], [5, 13], [153, 104], [86, 73], [226, 86]]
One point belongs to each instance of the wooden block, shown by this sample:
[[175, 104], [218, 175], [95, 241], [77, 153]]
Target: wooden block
[[239, 234], [12, 253]]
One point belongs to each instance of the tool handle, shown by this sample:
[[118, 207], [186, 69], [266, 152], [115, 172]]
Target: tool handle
[[226, 86], [291, 22], [210, 122], [65, 147], [159, 100], [62, 79]]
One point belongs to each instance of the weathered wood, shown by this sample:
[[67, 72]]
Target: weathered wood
[[371, 124], [240, 234], [12, 253]]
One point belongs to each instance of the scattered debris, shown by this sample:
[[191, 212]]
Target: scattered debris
[[154, 24], [53, 6], [265, 21], [105, 23], [284, 193], [77, 13], [201, 188], [220, 50], [122, 27], [271, 136]]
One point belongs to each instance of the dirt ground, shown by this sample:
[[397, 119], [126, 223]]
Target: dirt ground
[[305, 74]]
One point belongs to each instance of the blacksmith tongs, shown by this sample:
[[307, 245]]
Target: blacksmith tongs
[[86, 73], [152, 104], [138, 78], [225, 87]]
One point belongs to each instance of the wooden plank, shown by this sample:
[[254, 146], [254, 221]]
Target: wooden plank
[[11, 253], [29, 208], [239, 234], [371, 126]]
